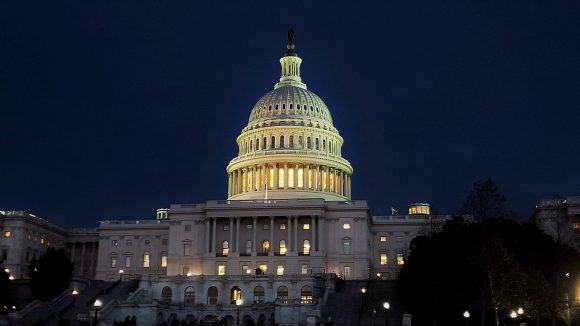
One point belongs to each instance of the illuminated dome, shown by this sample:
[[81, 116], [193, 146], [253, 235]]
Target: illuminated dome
[[290, 147]]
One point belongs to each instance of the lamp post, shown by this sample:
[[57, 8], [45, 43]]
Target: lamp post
[[97, 305], [514, 315], [239, 302], [74, 297], [387, 306], [121, 275], [466, 315]]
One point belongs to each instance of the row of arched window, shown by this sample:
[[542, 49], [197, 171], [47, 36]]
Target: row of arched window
[[235, 294], [316, 143], [282, 248], [299, 109]]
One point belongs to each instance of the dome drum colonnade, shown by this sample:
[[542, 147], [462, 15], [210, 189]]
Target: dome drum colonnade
[[290, 148]]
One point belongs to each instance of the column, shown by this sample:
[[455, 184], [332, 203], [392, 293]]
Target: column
[[255, 218], [321, 234], [214, 219], [275, 176], [296, 176], [306, 168], [327, 178], [72, 256], [231, 243], [295, 233], [238, 220], [272, 243], [92, 257], [229, 185], [288, 242], [313, 229], [239, 185], [207, 242], [286, 175], [82, 271], [244, 180]]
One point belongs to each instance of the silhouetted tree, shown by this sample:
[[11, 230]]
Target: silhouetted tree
[[485, 201], [50, 274]]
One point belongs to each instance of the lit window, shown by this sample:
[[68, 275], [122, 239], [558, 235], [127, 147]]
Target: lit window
[[280, 178], [222, 270], [306, 247], [400, 259], [263, 268], [113, 261], [186, 249], [41, 240], [7, 234], [186, 271], [248, 246], [290, 178], [306, 226], [246, 270], [115, 242], [383, 259], [304, 269], [300, 178], [346, 247], [282, 294], [383, 238], [127, 261], [346, 271], [146, 259], [249, 226], [346, 226], [306, 295], [282, 247], [164, 261], [265, 246], [282, 226], [225, 248], [280, 270]]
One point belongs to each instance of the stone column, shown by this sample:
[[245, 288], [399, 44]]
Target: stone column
[[296, 176], [313, 229], [231, 243], [275, 176], [288, 242], [306, 169], [295, 233], [72, 256], [207, 242], [82, 271], [327, 178], [244, 180], [238, 220], [213, 234], [239, 185], [92, 258], [255, 218], [272, 242], [286, 178], [321, 234]]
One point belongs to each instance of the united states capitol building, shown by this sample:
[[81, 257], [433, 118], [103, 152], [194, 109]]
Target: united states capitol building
[[287, 232]]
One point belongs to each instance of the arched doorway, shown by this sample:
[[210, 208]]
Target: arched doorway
[[166, 295], [212, 295], [235, 294]]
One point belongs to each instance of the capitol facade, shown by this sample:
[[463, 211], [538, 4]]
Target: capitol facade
[[274, 249]]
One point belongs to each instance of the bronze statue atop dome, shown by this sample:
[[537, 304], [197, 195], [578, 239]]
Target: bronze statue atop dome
[[291, 47]]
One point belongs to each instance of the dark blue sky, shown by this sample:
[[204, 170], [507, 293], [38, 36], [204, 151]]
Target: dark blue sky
[[111, 109]]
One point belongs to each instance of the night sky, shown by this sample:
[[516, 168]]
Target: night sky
[[112, 109]]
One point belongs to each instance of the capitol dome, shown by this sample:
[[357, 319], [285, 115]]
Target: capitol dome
[[290, 147]]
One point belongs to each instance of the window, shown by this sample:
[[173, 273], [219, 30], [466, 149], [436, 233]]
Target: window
[[308, 143], [186, 248], [129, 243], [291, 141], [246, 270], [282, 226], [306, 295], [259, 295], [266, 227], [41, 240], [346, 246], [264, 143], [163, 260], [7, 234], [212, 295], [306, 226], [225, 248], [189, 295], [249, 226], [248, 246], [400, 259], [127, 261], [146, 259], [29, 236], [113, 261], [282, 247], [306, 247], [115, 242], [304, 269], [346, 226], [300, 178], [265, 246], [226, 227], [346, 271], [166, 295], [281, 142], [280, 270], [187, 227], [282, 294], [263, 268], [222, 270], [273, 143], [384, 238], [383, 259], [186, 271]]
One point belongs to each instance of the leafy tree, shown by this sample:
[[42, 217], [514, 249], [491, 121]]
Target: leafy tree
[[50, 274]]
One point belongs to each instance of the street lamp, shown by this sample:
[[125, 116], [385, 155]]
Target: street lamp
[[387, 306], [97, 305], [74, 297], [466, 314], [520, 311], [363, 290], [239, 302], [121, 275]]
